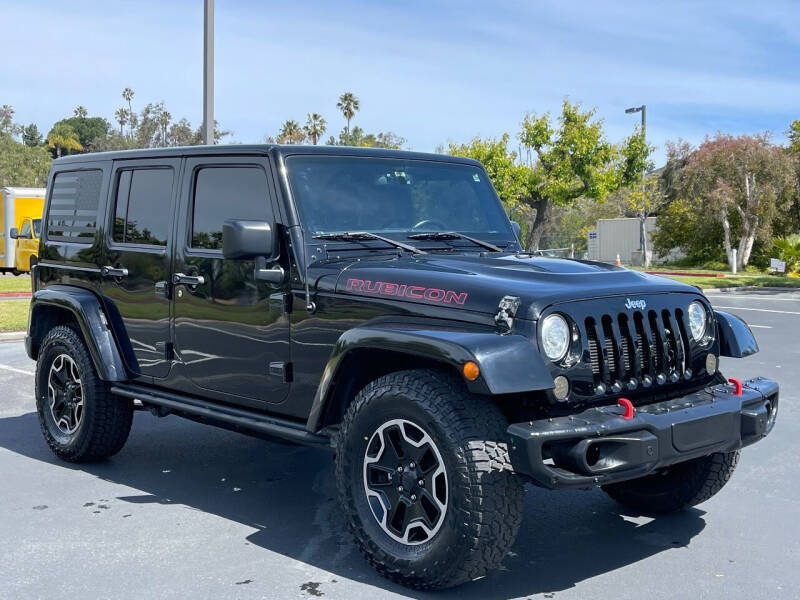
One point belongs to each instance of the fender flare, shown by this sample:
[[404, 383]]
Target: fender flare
[[88, 313], [735, 337], [508, 363]]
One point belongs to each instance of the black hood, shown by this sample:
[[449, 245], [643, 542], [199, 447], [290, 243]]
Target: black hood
[[477, 282]]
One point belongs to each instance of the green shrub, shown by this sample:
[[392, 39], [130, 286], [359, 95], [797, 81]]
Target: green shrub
[[788, 249]]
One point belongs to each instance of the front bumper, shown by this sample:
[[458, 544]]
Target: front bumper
[[598, 446]]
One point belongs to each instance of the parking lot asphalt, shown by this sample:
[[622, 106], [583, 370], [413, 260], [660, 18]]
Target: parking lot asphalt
[[190, 511]]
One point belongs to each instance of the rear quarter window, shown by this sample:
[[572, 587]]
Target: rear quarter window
[[74, 200]]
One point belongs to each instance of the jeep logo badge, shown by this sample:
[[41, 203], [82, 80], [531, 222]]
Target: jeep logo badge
[[631, 304]]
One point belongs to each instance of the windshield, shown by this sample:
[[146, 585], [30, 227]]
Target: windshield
[[351, 194]]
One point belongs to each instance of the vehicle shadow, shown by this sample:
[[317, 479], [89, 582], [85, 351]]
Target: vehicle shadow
[[287, 494]]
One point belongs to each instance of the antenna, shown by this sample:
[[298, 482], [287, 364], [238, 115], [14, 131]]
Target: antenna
[[311, 306]]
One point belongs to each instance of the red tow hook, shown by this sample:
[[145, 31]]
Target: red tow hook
[[628, 406], [737, 386]]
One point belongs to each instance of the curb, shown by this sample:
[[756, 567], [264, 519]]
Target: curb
[[12, 336], [14, 295]]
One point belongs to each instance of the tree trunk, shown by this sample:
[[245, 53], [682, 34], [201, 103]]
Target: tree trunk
[[543, 210], [726, 228]]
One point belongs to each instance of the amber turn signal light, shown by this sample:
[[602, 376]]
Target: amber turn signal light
[[471, 370]]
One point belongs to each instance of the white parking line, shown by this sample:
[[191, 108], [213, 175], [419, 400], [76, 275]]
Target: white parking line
[[16, 370], [766, 298], [760, 326], [782, 312]]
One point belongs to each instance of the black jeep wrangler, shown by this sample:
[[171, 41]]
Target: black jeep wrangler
[[379, 304]]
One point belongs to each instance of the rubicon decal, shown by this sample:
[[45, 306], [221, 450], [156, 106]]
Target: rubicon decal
[[416, 292]]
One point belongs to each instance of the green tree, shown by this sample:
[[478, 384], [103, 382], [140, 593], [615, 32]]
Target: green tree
[[62, 138], [573, 160], [89, 130], [127, 95], [121, 117], [742, 182], [22, 165], [349, 105], [7, 125], [315, 127], [291, 133], [81, 112], [31, 136], [569, 160]]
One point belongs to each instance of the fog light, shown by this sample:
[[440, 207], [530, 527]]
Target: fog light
[[561, 388], [711, 364]]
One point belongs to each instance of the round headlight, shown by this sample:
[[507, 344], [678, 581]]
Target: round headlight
[[555, 337], [697, 320]]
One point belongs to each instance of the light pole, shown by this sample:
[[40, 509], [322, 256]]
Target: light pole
[[208, 72], [643, 216], [642, 109]]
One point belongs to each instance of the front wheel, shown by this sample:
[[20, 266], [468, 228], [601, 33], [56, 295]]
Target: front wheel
[[677, 487], [425, 480]]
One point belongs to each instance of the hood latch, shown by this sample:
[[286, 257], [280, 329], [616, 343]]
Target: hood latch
[[506, 311]]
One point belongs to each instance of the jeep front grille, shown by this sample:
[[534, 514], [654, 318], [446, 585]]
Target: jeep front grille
[[645, 346]]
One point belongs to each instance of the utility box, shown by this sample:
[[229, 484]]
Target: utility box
[[619, 236], [18, 205]]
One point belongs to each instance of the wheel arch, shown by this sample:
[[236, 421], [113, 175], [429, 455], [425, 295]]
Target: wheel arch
[[64, 305], [508, 364]]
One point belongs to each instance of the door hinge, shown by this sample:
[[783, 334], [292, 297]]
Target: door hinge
[[282, 370], [280, 301], [167, 348]]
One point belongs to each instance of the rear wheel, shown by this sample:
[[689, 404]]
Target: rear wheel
[[677, 487], [425, 480], [80, 419]]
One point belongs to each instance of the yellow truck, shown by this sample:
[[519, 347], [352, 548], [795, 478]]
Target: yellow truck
[[20, 228]]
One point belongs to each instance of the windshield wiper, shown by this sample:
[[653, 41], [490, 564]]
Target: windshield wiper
[[453, 235], [357, 236]]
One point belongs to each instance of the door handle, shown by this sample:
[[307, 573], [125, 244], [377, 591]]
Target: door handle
[[190, 280], [114, 272]]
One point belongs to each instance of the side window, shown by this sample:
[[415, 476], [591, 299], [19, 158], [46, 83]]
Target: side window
[[143, 206], [72, 212], [26, 230], [222, 193]]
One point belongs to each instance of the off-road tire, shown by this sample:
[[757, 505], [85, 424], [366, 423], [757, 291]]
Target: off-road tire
[[484, 500], [106, 418], [679, 486]]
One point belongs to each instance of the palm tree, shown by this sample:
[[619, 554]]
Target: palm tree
[[315, 127], [127, 95], [163, 120], [81, 112], [63, 137], [121, 116], [348, 104], [291, 133]]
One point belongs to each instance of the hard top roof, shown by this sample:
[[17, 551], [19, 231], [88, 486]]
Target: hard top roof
[[279, 149]]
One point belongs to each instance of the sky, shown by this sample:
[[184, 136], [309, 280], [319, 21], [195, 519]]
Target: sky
[[430, 71]]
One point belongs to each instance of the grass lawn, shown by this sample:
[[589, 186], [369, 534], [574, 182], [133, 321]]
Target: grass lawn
[[13, 315], [9, 283], [758, 279]]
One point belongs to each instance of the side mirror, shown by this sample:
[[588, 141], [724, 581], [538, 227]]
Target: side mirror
[[517, 230], [242, 240], [13, 233]]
